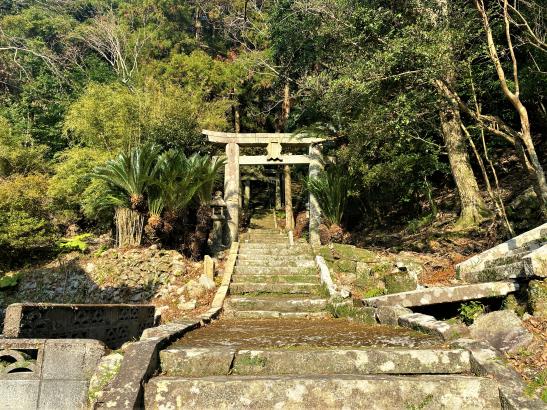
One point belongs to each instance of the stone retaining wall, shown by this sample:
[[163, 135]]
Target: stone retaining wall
[[47, 374], [111, 324]]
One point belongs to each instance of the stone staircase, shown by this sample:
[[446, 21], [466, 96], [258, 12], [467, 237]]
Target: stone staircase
[[273, 279], [312, 378]]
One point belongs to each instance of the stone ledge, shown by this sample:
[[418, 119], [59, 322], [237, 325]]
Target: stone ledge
[[112, 324], [58, 378], [535, 263], [485, 361], [341, 391], [430, 325], [478, 262], [431, 296]]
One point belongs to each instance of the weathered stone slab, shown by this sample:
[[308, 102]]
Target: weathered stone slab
[[495, 273], [196, 362], [430, 325], [334, 392], [19, 394], [140, 361], [293, 288], [450, 294], [503, 329], [350, 361], [535, 263], [278, 304], [169, 331], [477, 262], [272, 314], [111, 324], [56, 376], [389, 315], [486, 362]]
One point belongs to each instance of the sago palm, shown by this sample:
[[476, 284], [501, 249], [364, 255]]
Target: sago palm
[[130, 173], [332, 188], [208, 170]]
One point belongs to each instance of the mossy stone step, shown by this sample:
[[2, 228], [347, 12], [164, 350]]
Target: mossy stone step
[[269, 251], [237, 288], [276, 314], [320, 392], [289, 261], [284, 279], [183, 361], [495, 273], [277, 303], [274, 270]]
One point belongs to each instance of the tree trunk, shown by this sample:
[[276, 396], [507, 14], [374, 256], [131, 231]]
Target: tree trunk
[[289, 216], [472, 205]]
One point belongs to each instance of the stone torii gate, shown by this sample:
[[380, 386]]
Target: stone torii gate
[[274, 143]]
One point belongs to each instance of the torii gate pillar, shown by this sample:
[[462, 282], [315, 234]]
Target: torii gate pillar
[[231, 189], [316, 165]]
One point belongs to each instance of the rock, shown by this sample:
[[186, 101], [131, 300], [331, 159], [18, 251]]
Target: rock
[[347, 278], [345, 265], [194, 289], [107, 369], [502, 329], [537, 297], [159, 311], [206, 282], [389, 315], [401, 281], [191, 305], [363, 268], [90, 267]]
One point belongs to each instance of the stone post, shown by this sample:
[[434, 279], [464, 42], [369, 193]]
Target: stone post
[[247, 193], [289, 217], [316, 165], [231, 189], [209, 267], [216, 236]]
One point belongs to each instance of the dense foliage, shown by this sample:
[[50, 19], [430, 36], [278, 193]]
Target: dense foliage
[[408, 91]]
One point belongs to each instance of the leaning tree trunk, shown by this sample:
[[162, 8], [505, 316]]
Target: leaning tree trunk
[[129, 227], [473, 208], [201, 233]]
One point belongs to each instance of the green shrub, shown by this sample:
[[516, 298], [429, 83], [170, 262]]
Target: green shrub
[[9, 281], [470, 311], [68, 188], [25, 224], [76, 243]]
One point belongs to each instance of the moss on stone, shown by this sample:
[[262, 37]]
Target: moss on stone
[[537, 297], [400, 282]]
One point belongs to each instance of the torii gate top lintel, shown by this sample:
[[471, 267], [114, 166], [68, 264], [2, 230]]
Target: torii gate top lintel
[[260, 138]]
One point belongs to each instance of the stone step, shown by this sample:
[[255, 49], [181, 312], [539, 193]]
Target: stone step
[[269, 258], [275, 314], [284, 278], [273, 270], [273, 246], [289, 261], [431, 296], [237, 288], [186, 361], [281, 304], [275, 239], [269, 251], [264, 231], [321, 392], [495, 273]]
